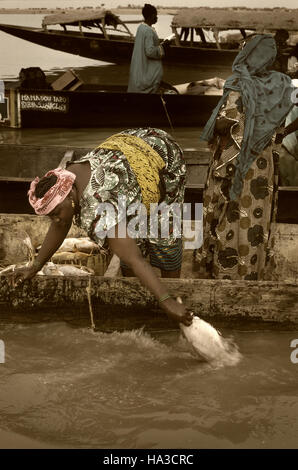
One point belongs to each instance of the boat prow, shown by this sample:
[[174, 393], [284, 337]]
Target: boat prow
[[90, 45]]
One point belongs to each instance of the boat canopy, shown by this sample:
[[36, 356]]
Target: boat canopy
[[93, 18], [86, 18], [237, 18]]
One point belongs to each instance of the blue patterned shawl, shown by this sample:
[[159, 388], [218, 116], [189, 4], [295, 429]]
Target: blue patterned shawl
[[266, 100]]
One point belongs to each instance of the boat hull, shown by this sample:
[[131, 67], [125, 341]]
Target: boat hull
[[117, 49], [120, 299], [71, 109], [19, 164]]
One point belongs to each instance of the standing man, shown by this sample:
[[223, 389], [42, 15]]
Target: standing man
[[146, 66]]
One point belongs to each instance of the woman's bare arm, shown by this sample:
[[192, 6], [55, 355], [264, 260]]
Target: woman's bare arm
[[61, 223], [130, 254], [53, 239]]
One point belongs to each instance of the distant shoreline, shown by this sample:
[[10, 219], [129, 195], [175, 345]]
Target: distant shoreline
[[47, 11], [123, 11]]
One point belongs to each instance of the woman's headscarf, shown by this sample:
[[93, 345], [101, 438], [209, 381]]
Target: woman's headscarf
[[266, 100], [55, 195]]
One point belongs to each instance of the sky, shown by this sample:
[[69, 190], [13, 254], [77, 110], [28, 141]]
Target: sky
[[180, 3]]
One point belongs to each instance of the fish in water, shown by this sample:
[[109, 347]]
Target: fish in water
[[208, 342]]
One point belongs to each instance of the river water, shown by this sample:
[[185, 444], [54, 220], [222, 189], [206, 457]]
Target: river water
[[66, 386]]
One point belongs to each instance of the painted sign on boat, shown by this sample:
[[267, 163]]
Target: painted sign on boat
[[44, 102]]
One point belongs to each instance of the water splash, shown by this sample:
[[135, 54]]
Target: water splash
[[229, 355], [226, 354]]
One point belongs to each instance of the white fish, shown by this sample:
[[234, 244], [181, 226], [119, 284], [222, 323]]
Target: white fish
[[204, 338], [83, 244], [70, 257], [12, 267], [50, 269], [8, 269], [71, 270], [209, 343]]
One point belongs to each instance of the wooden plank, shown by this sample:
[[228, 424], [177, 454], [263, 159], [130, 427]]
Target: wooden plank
[[113, 267], [275, 302], [69, 156], [15, 179], [19, 164], [27, 161], [288, 188], [69, 80]]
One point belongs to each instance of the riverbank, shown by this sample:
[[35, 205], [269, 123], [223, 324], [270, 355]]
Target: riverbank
[[48, 11]]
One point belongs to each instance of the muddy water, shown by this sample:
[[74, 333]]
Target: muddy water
[[65, 386], [62, 386]]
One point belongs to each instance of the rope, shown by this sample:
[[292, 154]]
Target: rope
[[166, 111], [88, 290]]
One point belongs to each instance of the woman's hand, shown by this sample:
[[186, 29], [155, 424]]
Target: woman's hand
[[177, 311], [19, 275], [128, 251], [165, 43]]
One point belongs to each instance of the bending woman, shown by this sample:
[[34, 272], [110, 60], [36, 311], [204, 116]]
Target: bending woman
[[142, 165], [241, 188]]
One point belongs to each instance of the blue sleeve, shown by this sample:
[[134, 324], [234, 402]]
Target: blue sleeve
[[151, 50]]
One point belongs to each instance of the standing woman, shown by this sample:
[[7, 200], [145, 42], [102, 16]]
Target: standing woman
[[241, 189], [146, 69]]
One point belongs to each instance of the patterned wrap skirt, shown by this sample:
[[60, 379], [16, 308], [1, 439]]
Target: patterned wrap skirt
[[238, 240]]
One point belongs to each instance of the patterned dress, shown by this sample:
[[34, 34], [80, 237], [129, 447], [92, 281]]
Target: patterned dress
[[238, 243], [113, 176]]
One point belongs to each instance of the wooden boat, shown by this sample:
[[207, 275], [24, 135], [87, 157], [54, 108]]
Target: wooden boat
[[122, 303], [19, 164], [101, 45], [116, 46], [89, 106], [119, 303]]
